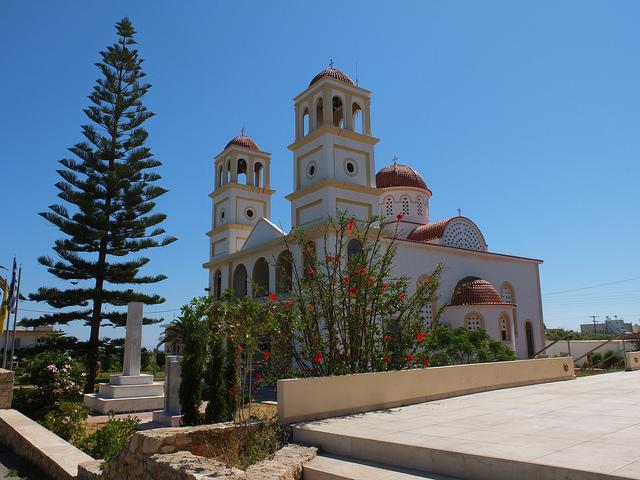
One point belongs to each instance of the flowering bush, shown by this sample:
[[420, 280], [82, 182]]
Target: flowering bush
[[55, 377], [66, 420], [346, 313]]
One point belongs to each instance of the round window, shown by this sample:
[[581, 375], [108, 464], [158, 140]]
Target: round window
[[249, 213], [350, 167], [311, 170]]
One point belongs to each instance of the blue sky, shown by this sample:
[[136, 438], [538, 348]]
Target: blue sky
[[523, 114]]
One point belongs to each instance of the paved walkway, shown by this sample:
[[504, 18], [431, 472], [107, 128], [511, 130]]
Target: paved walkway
[[591, 425]]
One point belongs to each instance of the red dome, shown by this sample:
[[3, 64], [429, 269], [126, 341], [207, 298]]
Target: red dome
[[244, 141], [475, 291], [332, 73], [397, 175], [428, 232]]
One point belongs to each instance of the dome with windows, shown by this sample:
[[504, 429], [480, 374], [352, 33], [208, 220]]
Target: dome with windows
[[245, 142], [397, 175], [332, 73], [475, 291]]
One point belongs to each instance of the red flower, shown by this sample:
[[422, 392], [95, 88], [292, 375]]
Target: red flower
[[233, 390], [387, 359], [420, 336], [272, 297], [310, 271], [312, 307], [266, 356], [400, 216], [258, 377], [345, 280], [409, 358], [384, 287], [329, 258], [363, 271], [337, 259], [386, 339], [426, 362], [317, 357], [288, 304], [402, 296], [353, 291], [352, 221], [430, 334], [372, 280]]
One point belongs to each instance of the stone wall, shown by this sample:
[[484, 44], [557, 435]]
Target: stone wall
[[183, 453], [54, 456], [6, 388]]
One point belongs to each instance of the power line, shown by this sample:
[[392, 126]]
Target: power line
[[594, 286]]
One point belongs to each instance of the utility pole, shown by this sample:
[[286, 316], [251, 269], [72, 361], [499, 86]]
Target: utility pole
[[595, 328]]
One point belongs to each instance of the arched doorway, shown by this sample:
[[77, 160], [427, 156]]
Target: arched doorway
[[240, 281], [531, 347], [260, 278]]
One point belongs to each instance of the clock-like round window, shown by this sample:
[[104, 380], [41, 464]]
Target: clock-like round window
[[311, 170], [250, 213], [350, 167]]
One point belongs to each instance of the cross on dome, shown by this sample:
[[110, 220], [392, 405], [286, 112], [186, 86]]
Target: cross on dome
[[331, 63], [459, 212], [395, 159]]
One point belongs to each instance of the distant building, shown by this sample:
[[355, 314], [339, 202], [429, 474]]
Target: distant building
[[610, 326], [30, 337]]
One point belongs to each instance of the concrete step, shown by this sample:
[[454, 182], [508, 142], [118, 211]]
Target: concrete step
[[328, 467], [483, 463]]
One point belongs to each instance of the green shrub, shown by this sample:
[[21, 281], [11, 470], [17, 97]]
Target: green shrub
[[107, 442], [458, 346], [66, 420]]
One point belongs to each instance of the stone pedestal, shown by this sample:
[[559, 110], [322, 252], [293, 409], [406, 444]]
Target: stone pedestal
[[132, 391], [171, 415]]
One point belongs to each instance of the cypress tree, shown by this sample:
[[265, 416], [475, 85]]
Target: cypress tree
[[110, 187]]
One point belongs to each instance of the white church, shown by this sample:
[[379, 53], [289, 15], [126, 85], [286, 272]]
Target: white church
[[334, 170]]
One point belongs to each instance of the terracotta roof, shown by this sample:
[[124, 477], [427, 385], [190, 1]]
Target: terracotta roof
[[244, 141], [475, 291], [333, 73], [430, 231], [397, 175]]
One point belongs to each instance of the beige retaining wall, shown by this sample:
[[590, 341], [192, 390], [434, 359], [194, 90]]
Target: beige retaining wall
[[632, 360], [316, 398], [6, 388], [179, 453], [50, 453]]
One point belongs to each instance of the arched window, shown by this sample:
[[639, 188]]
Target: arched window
[[504, 326], [507, 294], [531, 344], [220, 177], [388, 206], [319, 112], [257, 175], [240, 281], [356, 118], [228, 171], [461, 234], [405, 205], [427, 312], [305, 121], [284, 272], [217, 284], [309, 258], [354, 247], [242, 171], [420, 206], [260, 278], [473, 321], [338, 113]]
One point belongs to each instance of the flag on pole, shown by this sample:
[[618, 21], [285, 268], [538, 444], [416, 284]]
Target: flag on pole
[[12, 302], [4, 311]]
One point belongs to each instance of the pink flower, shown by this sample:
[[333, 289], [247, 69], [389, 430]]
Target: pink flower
[[272, 297], [317, 357]]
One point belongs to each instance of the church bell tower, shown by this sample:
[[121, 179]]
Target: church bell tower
[[333, 152]]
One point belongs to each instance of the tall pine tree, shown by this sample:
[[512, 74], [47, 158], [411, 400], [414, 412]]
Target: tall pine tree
[[111, 189]]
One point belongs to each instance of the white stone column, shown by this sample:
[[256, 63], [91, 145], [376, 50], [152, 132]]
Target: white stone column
[[133, 340]]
